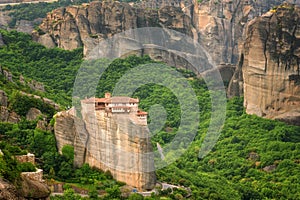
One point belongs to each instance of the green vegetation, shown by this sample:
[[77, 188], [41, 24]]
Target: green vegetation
[[37, 10], [10, 168], [55, 68], [22, 103], [254, 158]]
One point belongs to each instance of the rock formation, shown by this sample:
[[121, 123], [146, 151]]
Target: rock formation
[[70, 130], [1, 41], [33, 114], [9, 191], [3, 98], [216, 25], [113, 142], [271, 63], [7, 115], [33, 185], [30, 186]]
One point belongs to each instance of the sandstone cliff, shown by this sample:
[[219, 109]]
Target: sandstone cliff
[[86, 25], [216, 25], [111, 143], [270, 65]]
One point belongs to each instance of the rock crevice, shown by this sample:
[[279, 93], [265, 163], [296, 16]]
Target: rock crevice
[[110, 143], [271, 65]]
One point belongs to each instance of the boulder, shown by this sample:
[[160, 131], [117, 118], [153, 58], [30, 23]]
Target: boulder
[[34, 189], [8, 116], [9, 191], [33, 114]]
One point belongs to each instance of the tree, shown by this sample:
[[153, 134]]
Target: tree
[[113, 192], [136, 196], [93, 194], [66, 170], [68, 152]]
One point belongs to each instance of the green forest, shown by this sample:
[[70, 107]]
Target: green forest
[[28, 11], [238, 167]]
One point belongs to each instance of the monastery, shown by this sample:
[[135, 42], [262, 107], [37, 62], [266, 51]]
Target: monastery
[[115, 106]]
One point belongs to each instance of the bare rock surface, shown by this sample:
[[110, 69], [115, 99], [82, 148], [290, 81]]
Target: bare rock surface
[[3, 98], [33, 114], [271, 65], [34, 189], [109, 143], [9, 191], [8, 116], [217, 26]]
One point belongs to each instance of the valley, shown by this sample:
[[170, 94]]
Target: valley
[[73, 111]]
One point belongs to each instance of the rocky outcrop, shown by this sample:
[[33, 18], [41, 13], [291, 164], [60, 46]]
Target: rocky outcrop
[[7, 74], [86, 25], [110, 143], [220, 25], [37, 86], [33, 187], [3, 98], [1, 41], [67, 133], [8, 116], [33, 114], [236, 84], [28, 189], [271, 62], [216, 25], [9, 191]]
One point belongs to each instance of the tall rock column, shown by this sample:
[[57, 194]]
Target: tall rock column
[[271, 65]]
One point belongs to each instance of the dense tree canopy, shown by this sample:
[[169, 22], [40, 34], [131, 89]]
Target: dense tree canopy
[[254, 158]]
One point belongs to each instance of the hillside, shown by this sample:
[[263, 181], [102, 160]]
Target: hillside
[[254, 158]]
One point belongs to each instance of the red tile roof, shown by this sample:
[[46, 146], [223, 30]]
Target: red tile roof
[[119, 99], [141, 113]]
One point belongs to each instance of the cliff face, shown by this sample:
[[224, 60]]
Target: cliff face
[[220, 25], [271, 62], [70, 27], [109, 142], [67, 133], [217, 26]]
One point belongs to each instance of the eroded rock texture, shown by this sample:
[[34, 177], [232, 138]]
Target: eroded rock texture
[[216, 25], [9, 191], [109, 142], [7, 115], [271, 62]]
